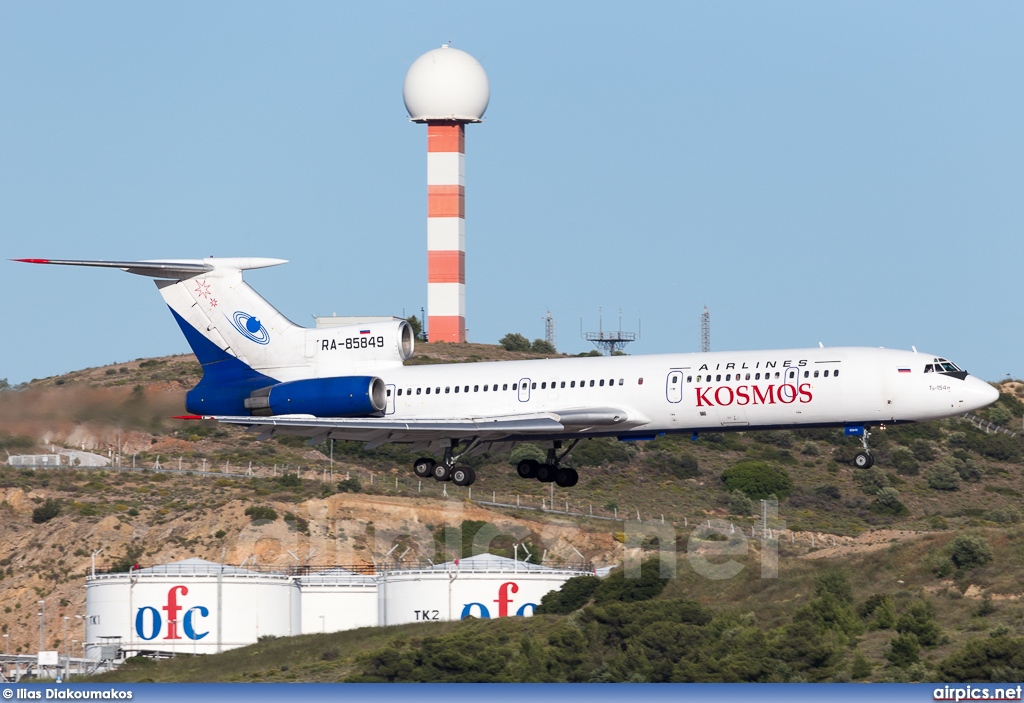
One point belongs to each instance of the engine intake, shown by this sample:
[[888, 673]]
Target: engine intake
[[341, 396]]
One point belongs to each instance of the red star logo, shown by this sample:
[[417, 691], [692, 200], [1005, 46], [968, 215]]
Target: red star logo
[[202, 289], [213, 302]]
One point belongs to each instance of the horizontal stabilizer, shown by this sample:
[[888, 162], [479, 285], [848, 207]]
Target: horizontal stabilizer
[[173, 269]]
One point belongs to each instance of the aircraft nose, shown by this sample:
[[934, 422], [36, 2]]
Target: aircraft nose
[[981, 394]]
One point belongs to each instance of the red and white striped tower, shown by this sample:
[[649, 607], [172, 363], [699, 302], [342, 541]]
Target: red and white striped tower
[[446, 88]]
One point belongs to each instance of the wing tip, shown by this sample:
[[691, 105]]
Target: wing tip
[[32, 261]]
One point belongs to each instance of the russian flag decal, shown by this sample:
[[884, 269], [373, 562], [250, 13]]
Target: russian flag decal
[[368, 332], [904, 370]]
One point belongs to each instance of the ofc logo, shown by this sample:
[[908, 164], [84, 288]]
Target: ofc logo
[[503, 600], [149, 623]]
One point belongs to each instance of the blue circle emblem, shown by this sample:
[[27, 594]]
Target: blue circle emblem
[[250, 327]]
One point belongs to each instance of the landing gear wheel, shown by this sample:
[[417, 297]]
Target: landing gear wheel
[[463, 477], [863, 460], [566, 478], [442, 472], [424, 467], [527, 468], [546, 473]]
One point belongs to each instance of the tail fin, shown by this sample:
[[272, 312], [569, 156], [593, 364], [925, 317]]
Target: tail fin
[[241, 340]]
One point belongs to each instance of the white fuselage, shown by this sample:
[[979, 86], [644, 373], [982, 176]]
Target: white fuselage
[[693, 392]]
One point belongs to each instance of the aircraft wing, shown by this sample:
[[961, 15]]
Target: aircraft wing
[[376, 431]]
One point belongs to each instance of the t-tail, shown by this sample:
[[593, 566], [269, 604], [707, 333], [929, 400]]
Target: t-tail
[[255, 360]]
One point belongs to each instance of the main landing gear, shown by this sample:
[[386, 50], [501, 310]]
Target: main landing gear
[[447, 470], [864, 460], [550, 471]]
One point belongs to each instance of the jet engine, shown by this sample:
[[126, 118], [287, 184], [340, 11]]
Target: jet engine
[[341, 396]]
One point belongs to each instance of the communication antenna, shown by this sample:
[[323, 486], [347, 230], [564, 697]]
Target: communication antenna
[[705, 330], [609, 342], [549, 328]]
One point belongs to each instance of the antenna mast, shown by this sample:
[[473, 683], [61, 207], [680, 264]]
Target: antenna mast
[[705, 330]]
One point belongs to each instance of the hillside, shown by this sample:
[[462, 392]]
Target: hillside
[[948, 476]]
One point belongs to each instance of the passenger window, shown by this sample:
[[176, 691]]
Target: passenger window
[[485, 386], [504, 386], [757, 377], [591, 383], [807, 374], [748, 376], [601, 383], [515, 386], [622, 381], [718, 377], [562, 385], [815, 374], [689, 379], [728, 377], [437, 390], [533, 386], [776, 374], [428, 391], [572, 384], [399, 391], [543, 385], [456, 389], [826, 373], [836, 372], [476, 389], [418, 391], [389, 392]]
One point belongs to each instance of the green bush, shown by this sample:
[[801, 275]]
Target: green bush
[[989, 659], [542, 346], [350, 485], [943, 478], [526, 451], [923, 450], [621, 586], [970, 551], [904, 650], [261, 512], [289, 481], [513, 341], [572, 596], [887, 502], [919, 619], [47, 511], [903, 460], [1007, 516], [739, 504], [871, 481], [758, 480]]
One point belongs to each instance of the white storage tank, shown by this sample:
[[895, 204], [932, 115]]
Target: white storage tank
[[483, 586], [337, 599], [192, 606]]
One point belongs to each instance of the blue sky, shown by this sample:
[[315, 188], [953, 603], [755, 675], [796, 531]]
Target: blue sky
[[849, 173]]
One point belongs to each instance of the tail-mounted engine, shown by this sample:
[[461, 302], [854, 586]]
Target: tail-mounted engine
[[363, 346], [342, 396]]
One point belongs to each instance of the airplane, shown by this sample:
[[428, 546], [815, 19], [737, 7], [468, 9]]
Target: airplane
[[267, 374]]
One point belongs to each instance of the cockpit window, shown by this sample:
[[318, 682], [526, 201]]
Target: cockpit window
[[941, 366]]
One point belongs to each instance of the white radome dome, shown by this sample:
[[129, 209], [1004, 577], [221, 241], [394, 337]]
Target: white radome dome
[[446, 84]]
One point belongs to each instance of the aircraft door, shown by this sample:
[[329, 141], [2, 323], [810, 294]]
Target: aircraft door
[[790, 387], [389, 409], [524, 390], [674, 386]]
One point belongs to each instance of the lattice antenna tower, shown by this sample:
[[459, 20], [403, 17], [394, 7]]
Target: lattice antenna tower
[[705, 330], [609, 342], [549, 328]]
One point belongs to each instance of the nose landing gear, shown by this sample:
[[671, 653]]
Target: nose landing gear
[[864, 460]]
